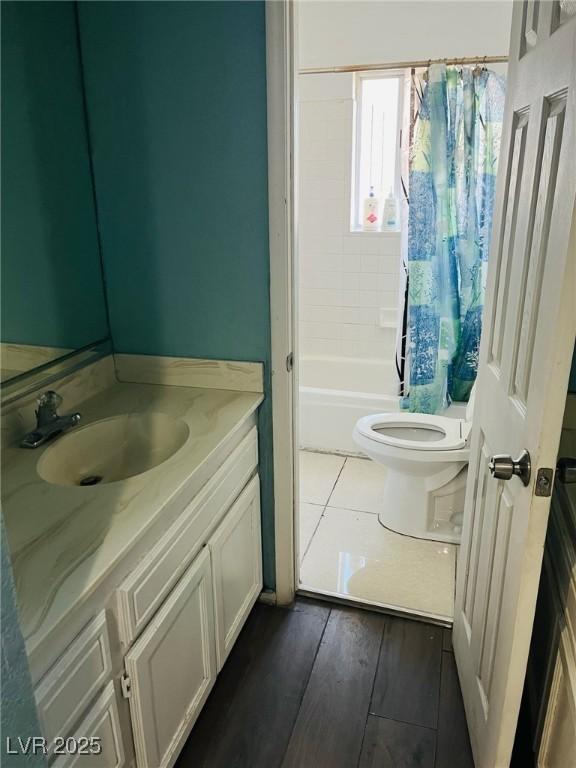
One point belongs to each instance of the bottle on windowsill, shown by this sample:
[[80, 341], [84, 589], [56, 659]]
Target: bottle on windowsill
[[371, 213], [390, 214]]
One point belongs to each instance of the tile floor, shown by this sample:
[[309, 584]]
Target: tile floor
[[344, 550]]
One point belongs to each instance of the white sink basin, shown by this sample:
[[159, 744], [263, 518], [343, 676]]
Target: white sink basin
[[112, 449]]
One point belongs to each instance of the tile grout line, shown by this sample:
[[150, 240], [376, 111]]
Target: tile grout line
[[362, 512], [324, 507], [335, 484], [426, 544], [312, 538]]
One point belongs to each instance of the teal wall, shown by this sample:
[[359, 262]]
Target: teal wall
[[18, 707], [176, 97], [177, 111], [52, 291]]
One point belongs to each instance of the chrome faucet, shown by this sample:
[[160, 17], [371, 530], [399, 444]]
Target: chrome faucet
[[48, 423]]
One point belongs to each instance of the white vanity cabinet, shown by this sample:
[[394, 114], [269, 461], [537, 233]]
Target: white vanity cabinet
[[138, 672], [172, 667]]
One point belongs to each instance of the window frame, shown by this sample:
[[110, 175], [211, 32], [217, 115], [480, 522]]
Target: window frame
[[359, 77]]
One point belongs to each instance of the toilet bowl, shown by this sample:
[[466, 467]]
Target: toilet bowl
[[426, 457]]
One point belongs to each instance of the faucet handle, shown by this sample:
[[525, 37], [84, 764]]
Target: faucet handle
[[50, 398], [47, 410]]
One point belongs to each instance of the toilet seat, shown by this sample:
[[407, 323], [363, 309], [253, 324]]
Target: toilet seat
[[401, 430]]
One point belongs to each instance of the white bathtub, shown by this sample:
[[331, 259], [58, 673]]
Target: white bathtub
[[334, 392]]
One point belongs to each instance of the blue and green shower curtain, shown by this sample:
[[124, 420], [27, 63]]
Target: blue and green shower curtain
[[453, 164]]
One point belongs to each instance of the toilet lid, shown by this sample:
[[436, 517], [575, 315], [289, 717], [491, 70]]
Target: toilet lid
[[414, 431]]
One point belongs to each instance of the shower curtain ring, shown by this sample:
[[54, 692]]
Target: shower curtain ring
[[425, 75]]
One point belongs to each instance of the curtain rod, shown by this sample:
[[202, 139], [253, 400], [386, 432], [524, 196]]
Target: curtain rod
[[403, 65]]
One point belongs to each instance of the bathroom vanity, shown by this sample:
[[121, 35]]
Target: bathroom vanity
[[133, 591], [134, 537]]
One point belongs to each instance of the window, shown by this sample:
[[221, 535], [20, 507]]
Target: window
[[378, 123]]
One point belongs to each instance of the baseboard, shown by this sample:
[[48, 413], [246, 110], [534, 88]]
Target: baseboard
[[268, 597]]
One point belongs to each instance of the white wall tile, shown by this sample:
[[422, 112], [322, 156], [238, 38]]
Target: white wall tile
[[321, 297], [313, 314], [369, 349], [327, 169], [345, 278], [318, 88], [318, 188], [351, 262], [321, 347], [370, 298], [319, 242], [359, 332], [320, 330], [321, 278], [370, 281], [360, 315]]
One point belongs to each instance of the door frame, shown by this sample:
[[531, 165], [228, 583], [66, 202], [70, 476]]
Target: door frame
[[280, 112]]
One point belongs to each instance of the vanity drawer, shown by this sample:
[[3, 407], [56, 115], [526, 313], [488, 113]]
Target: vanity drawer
[[69, 686], [142, 593], [100, 730]]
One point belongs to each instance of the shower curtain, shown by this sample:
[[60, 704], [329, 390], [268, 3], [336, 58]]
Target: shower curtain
[[453, 164]]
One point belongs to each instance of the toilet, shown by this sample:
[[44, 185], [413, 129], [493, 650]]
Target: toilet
[[426, 460]]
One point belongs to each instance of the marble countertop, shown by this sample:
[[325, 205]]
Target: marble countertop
[[69, 538]]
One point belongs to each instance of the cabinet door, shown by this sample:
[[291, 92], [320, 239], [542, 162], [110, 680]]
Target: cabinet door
[[99, 730], [75, 679], [558, 745], [172, 668], [236, 553]]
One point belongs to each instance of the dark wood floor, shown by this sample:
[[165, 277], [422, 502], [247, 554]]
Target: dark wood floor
[[325, 686]]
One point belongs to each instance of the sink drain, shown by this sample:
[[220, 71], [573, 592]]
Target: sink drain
[[91, 480]]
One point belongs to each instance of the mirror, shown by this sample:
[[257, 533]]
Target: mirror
[[53, 299]]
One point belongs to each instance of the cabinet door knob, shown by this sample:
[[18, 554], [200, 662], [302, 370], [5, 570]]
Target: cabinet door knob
[[502, 466]]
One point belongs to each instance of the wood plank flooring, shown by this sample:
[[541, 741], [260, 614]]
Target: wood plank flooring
[[325, 686]]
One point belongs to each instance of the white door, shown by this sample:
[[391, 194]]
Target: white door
[[172, 668], [236, 554], [528, 339]]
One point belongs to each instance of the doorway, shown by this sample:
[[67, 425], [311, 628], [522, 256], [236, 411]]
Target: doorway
[[486, 636], [353, 139]]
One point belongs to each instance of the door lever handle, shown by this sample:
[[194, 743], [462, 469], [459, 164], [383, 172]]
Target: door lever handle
[[502, 466]]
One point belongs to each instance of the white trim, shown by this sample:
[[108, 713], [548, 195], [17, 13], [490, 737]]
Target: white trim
[[280, 77], [267, 598]]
